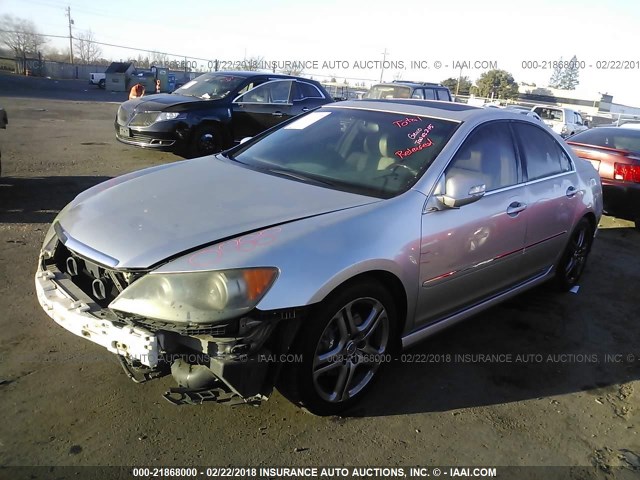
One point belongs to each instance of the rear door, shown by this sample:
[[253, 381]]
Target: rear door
[[306, 96], [551, 189]]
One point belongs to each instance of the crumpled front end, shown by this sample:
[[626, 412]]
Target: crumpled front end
[[227, 361]]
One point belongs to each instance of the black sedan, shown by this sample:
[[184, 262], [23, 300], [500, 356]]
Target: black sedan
[[215, 111]]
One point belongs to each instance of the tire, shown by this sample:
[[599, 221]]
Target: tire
[[102, 83], [574, 257], [343, 347], [206, 140]]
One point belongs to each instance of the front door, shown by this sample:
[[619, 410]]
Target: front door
[[473, 252], [261, 108]]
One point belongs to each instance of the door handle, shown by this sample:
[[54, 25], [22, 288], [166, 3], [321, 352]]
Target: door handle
[[305, 109], [515, 208], [571, 191], [277, 114]]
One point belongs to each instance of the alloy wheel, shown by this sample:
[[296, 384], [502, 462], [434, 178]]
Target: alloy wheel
[[350, 350]]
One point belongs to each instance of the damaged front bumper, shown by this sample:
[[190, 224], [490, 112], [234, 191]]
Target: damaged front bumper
[[206, 362]]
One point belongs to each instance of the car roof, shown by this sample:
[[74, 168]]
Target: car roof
[[247, 74], [609, 131], [410, 84], [459, 112]]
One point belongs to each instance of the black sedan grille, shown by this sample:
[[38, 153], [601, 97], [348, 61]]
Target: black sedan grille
[[143, 119]]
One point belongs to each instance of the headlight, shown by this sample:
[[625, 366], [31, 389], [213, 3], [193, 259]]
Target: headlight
[[167, 116], [198, 297]]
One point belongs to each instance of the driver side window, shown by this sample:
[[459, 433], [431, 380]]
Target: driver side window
[[488, 154], [277, 91]]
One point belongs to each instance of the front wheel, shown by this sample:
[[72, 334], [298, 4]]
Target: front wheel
[[343, 347], [102, 83], [574, 257], [207, 140]]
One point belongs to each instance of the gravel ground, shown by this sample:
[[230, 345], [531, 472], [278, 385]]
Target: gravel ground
[[565, 393]]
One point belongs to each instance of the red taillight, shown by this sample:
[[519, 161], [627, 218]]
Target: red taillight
[[626, 172]]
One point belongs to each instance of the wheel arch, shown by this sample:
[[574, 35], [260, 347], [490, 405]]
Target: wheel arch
[[391, 283]]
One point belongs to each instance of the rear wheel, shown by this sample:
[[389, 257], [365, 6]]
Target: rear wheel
[[207, 139], [102, 83], [343, 347], [574, 258]]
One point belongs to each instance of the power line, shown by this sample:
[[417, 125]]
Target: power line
[[170, 54], [116, 46]]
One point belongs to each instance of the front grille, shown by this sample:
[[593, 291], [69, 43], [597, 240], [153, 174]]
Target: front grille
[[143, 119], [102, 284]]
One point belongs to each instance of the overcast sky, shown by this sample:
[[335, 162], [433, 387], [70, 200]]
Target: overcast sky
[[506, 33]]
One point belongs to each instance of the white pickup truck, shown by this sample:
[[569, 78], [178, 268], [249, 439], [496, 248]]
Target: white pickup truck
[[99, 79]]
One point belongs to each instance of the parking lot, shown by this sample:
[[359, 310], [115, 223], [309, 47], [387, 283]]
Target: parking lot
[[546, 379]]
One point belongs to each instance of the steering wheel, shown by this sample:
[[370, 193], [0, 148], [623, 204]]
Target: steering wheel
[[395, 165]]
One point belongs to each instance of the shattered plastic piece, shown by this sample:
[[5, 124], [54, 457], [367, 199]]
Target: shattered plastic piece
[[575, 289]]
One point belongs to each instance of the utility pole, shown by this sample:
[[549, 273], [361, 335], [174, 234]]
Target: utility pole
[[458, 85], [70, 35], [384, 59]]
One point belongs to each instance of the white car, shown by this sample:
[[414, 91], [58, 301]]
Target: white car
[[635, 126], [525, 111], [564, 121]]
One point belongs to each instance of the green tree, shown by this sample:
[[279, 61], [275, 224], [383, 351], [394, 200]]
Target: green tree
[[452, 84], [569, 80], [497, 84], [556, 76]]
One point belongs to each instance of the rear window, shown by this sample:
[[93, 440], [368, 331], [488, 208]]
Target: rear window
[[549, 114], [620, 138], [389, 91]]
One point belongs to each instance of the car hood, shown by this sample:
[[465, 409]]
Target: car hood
[[141, 219], [169, 101]]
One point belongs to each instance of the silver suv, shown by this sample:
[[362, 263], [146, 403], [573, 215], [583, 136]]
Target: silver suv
[[406, 89], [564, 121]]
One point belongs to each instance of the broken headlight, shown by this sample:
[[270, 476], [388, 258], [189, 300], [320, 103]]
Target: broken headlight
[[196, 297]]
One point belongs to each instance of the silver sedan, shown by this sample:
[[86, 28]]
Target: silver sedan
[[308, 256]]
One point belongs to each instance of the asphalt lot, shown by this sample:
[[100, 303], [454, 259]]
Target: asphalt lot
[[564, 391]]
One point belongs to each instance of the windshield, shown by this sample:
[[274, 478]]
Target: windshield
[[389, 91], [372, 153], [210, 86]]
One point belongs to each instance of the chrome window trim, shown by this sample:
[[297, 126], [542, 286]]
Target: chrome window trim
[[557, 175]]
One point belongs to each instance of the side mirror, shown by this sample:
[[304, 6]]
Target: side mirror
[[461, 188]]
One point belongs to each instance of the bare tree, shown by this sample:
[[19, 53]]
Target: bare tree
[[20, 35], [253, 63], [159, 59], [86, 47]]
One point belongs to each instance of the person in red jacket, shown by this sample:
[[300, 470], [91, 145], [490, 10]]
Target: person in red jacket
[[136, 91]]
